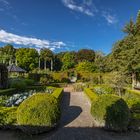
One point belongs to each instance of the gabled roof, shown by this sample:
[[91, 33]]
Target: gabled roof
[[14, 68]]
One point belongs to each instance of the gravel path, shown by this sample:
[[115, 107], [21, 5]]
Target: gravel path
[[76, 123]]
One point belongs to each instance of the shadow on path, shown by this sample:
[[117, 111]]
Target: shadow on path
[[69, 113]]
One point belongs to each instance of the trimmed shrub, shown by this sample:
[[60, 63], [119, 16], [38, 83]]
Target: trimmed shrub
[[8, 116], [134, 106], [37, 88], [104, 89], [18, 84], [3, 100], [29, 82], [58, 93], [132, 94], [91, 95], [111, 112], [39, 113], [8, 92], [135, 122], [60, 77]]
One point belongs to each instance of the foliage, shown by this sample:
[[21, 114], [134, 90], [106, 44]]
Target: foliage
[[8, 92], [111, 112], [8, 116], [3, 100], [103, 89], [38, 110], [60, 77], [27, 58], [134, 104], [68, 61], [99, 61], [78, 87], [7, 54], [131, 94], [45, 80], [91, 95], [18, 84], [29, 82], [58, 93], [117, 81], [86, 67], [94, 78], [85, 55]]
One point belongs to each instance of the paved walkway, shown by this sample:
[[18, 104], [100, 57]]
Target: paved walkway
[[76, 123]]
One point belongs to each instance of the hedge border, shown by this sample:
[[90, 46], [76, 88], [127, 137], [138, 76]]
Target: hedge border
[[90, 94], [58, 93], [8, 92], [135, 93]]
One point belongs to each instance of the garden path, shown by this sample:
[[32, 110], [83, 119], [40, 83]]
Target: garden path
[[76, 123]]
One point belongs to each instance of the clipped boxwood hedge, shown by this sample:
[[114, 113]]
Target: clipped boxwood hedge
[[8, 92], [8, 116], [39, 113], [58, 93], [111, 112], [91, 95], [134, 106], [132, 93]]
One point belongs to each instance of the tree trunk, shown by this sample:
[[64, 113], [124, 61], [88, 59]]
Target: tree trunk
[[39, 63], [45, 64], [133, 80], [51, 64], [119, 92]]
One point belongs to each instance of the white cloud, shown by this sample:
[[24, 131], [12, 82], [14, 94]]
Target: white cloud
[[5, 2], [6, 37], [111, 19], [85, 7]]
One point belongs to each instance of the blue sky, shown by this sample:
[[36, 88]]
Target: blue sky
[[65, 24]]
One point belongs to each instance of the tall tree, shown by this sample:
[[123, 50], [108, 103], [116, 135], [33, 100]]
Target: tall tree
[[138, 24], [68, 60], [130, 28], [27, 58], [126, 52], [8, 54], [85, 55]]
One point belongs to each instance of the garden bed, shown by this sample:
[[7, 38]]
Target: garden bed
[[10, 110], [130, 97]]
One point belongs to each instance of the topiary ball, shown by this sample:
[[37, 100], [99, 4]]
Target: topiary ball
[[39, 113], [111, 112]]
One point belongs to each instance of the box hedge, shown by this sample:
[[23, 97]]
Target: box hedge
[[132, 93], [111, 112], [58, 93], [90, 94], [39, 113], [8, 92], [7, 116]]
